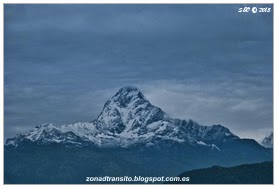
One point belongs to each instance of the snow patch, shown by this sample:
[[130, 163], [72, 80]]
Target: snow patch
[[201, 143]]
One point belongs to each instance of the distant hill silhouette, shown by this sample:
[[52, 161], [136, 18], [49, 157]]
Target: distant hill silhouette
[[259, 173]]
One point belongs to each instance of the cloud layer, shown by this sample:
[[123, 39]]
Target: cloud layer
[[62, 62]]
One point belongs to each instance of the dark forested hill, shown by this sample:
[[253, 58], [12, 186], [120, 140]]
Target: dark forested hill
[[259, 173]]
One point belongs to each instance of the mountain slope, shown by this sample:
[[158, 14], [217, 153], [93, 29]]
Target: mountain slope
[[260, 173]]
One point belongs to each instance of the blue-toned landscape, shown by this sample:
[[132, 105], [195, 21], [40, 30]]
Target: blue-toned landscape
[[138, 90]]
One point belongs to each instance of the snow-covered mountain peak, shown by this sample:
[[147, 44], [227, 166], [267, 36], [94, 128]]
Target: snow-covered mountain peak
[[127, 95], [128, 89], [268, 141], [128, 110], [127, 118]]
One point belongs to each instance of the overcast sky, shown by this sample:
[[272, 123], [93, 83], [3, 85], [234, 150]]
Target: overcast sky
[[208, 63]]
